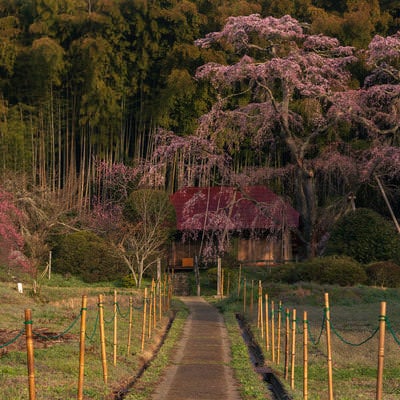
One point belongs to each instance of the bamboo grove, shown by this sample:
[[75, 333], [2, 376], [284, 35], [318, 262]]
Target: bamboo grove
[[89, 80]]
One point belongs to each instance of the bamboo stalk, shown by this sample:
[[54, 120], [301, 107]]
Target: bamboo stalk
[[261, 312], [287, 328], [273, 330], [103, 339], [305, 356], [278, 357], [150, 322], [293, 357], [82, 348], [266, 323], [251, 299], [128, 350], [244, 295], [30, 354], [144, 317], [239, 279], [115, 339], [381, 351], [160, 300], [154, 304], [329, 347]]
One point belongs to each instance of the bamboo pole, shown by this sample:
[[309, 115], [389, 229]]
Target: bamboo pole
[[251, 299], [144, 317], [329, 347], [115, 338], [261, 313], [150, 322], [259, 306], [154, 304], [273, 330], [293, 357], [82, 348], [244, 295], [266, 323], [103, 339], [222, 282], [305, 356], [381, 351], [160, 301], [30, 354], [228, 286], [287, 333], [278, 356], [128, 350], [239, 280]]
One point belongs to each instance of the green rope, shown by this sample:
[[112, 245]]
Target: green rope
[[313, 341], [350, 343], [119, 312], [62, 333], [14, 339], [391, 330], [90, 337]]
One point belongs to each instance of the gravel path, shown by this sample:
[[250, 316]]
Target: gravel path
[[200, 367]]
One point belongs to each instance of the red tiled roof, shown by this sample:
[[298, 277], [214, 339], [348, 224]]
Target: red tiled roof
[[221, 207]]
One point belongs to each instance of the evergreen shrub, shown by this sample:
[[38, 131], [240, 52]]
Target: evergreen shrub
[[343, 271], [365, 236], [384, 273], [87, 256]]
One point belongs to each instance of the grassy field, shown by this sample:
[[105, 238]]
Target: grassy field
[[56, 309], [354, 317]]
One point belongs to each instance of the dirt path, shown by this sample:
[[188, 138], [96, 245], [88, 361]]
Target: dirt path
[[200, 367]]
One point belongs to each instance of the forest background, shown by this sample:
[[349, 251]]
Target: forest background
[[85, 85]]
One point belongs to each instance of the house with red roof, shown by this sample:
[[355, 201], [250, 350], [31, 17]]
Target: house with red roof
[[257, 223]]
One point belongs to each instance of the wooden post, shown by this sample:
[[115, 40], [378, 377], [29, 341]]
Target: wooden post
[[244, 295], [150, 322], [144, 317], [251, 299], [222, 282], [160, 302], [128, 350], [278, 357], [239, 280], [273, 330], [259, 306], [266, 323], [381, 352], [261, 312], [305, 356], [219, 277], [154, 304], [82, 348], [30, 354], [115, 339], [329, 347], [228, 286], [103, 339], [293, 358], [287, 329]]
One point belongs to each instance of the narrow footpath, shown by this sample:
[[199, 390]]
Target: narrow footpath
[[200, 367]]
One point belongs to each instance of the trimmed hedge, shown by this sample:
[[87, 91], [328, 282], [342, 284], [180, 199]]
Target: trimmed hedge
[[87, 256], [365, 236], [343, 271]]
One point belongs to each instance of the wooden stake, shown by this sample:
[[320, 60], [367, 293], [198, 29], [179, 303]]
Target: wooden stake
[[154, 304], [293, 358], [144, 317], [30, 354], [287, 329], [251, 299], [305, 356], [278, 358], [266, 323], [103, 339], [329, 347], [82, 348], [381, 351], [261, 312], [244, 295], [150, 313], [128, 350], [239, 280], [160, 301], [115, 339], [273, 330]]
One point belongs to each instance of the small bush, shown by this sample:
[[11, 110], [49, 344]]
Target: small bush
[[343, 271], [86, 255], [365, 236], [384, 273]]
